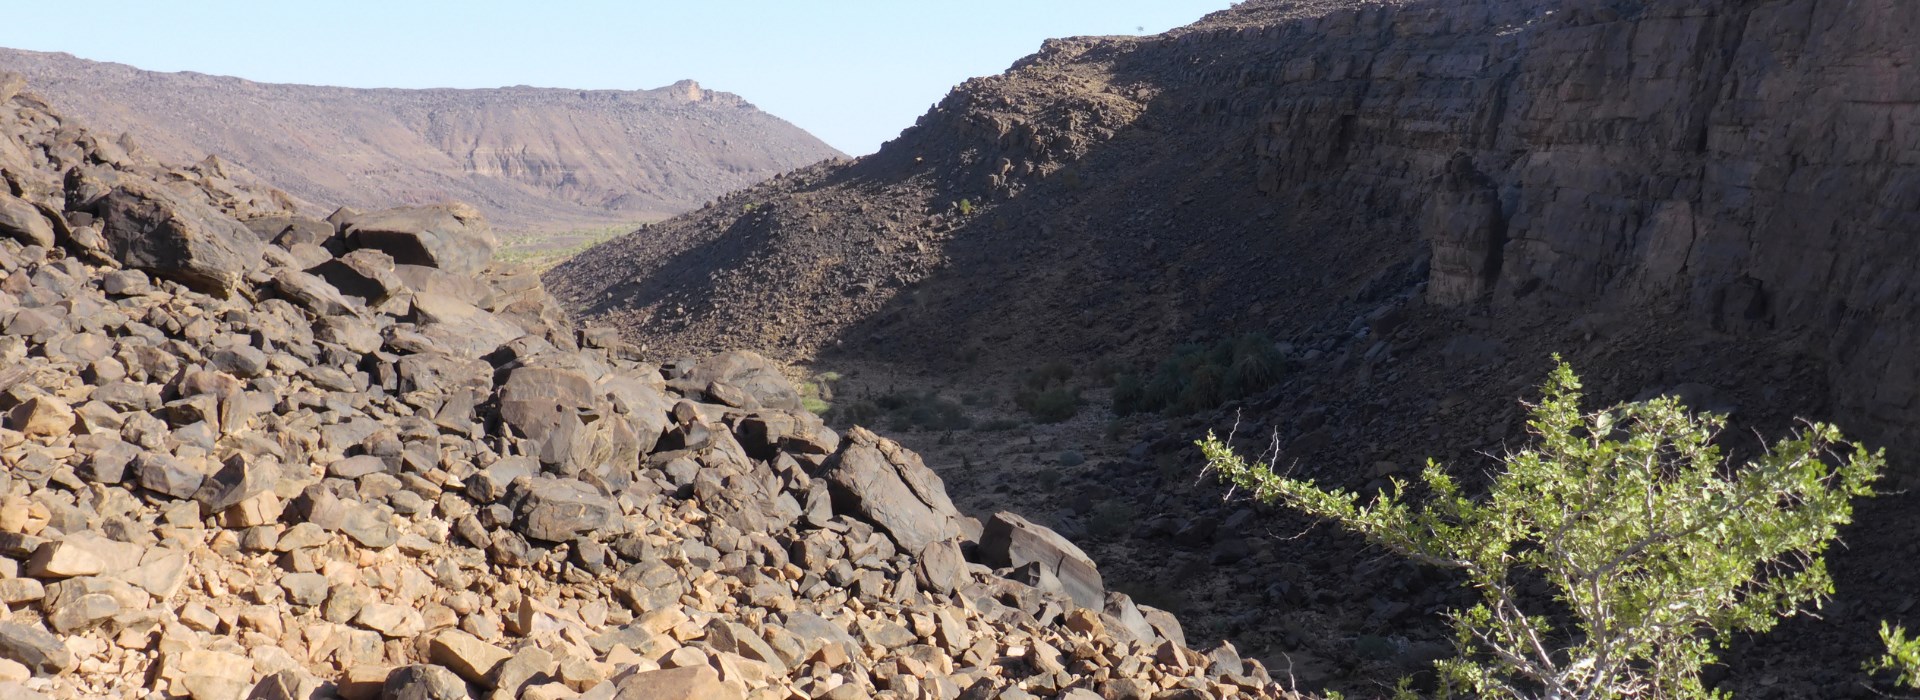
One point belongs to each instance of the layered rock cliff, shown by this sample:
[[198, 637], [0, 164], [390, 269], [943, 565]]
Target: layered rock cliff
[[529, 158]]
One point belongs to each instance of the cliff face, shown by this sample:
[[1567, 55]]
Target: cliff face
[[528, 157], [1748, 163], [1747, 166]]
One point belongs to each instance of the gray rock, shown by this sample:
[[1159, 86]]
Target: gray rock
[[82, 613], [311, 291], [37, 649], [1012, 541], [286, 685], [305, 588], [451, 237], [165, 475], [238, 479], [424, 682], [558, 510], [941, 568], [23, 222], [887, 484], [748, 372]]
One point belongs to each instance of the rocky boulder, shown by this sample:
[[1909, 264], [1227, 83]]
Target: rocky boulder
[[1009, 540], [888, 485], [23, 222], [451, 237], [149, 227]]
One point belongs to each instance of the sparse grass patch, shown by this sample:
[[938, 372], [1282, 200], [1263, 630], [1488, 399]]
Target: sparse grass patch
[[817, 395], [545, 250]]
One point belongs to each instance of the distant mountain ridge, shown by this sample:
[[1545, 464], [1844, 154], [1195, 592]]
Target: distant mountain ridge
[[530, 158]]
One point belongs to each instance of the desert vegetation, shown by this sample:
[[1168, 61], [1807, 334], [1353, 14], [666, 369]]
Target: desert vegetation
[[1199, 377], [1655, 549]]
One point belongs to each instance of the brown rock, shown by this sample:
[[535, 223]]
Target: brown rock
[[466, 655], [42, 416], [687, 683]]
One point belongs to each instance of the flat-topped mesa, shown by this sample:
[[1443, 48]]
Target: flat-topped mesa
[[533, 158], [251, 454]]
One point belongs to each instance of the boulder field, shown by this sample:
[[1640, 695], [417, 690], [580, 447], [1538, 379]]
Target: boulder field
[[252, 455]]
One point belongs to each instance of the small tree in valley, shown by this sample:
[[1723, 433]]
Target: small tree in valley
[[1655, 548]]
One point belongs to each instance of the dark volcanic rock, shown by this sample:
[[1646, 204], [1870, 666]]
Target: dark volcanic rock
[[151, 228], [453, 238], [887, 485], [1011, 540]]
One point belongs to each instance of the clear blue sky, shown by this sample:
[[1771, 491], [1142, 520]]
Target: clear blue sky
[[853, 72]]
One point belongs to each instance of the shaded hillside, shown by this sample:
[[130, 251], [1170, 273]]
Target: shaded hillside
[[1272, 164], [1420, 200], [530, 158]]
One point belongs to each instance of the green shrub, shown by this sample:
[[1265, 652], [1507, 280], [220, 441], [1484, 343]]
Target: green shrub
[[1111, 518], [1202, 377], [1050, 406], [926, 410], [1656, 549], [1049, 375], [998, 425], [1902, 657]]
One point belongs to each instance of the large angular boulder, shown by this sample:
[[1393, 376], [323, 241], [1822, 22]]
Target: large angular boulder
[[888, 485], [748, 372], [1012, 541], [23, 222], [558, 510], [451, 237], [462, 328], [684, 683], [34, 647], [151, 228], [544, 405]]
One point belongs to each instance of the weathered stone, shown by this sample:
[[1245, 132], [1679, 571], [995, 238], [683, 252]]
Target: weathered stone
[[23, 222], [687, 683], [390, 620], [63, 560], [83, 612], [151, 228], [941, 568], [356, 467], [165, 475], [558, 510], [289, 684], [363, 274], [1012, 541], [748, 372], [526, 667], [451, 237], [887, 484], [305, 588], [42, 416], [466, 655], [238, 479], [34, 647], [423, 682]]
